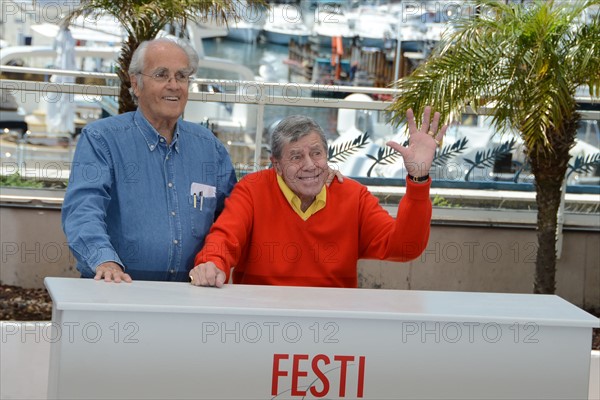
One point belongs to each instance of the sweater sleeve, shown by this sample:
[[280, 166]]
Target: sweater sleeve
[[231, 231], [403, 238]]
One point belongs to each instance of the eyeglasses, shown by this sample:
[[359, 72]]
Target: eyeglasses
[[163, 76]]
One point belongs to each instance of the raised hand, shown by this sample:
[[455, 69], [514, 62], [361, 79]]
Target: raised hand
[[418, 155]]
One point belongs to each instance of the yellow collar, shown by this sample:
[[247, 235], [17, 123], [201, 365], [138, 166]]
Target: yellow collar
[[295, 202]]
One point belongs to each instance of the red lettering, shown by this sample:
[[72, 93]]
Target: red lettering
[[343, 370], [320, 376], [361, 377], [320, 368], [277, 372], [296, 373]]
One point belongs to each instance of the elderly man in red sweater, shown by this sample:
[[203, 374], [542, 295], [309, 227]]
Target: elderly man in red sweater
[[284, 226]]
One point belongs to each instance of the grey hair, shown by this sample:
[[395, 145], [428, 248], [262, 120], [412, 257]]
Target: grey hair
[[291, 129], [138, 59]]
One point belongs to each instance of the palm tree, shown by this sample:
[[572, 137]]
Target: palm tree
[[144, 19], [524, 62]]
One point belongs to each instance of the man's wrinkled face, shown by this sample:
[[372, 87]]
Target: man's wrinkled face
[[303, 166], [163, 99]]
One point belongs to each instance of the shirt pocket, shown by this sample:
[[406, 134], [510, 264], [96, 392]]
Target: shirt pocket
[[202, 211]]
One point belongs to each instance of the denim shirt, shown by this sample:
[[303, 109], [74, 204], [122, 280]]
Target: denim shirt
[[129, 196]]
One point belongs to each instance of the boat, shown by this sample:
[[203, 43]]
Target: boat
[[329, 24], [374, 27], [104, 31], [248, 25], [285, 23], [243, 31]]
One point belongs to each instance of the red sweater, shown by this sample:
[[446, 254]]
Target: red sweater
[[260, 235]]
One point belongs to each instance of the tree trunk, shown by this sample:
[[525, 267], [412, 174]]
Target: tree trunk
[[126, 102], [549, 168]]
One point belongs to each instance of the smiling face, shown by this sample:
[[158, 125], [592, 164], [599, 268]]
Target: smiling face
[[162, 103], [303, 166]]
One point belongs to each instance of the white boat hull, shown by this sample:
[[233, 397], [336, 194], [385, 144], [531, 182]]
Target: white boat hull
[[283, 38], [245, 35]]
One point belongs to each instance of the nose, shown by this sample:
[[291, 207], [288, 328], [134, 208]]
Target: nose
[[172, 81], [308, 162]]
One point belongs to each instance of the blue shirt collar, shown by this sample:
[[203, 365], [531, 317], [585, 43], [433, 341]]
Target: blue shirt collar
[[150, 134]]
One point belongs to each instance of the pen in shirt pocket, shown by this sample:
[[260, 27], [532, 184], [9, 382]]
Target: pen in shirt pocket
[[201, 194]]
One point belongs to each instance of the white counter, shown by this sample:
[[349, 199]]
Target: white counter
[[173, 340]]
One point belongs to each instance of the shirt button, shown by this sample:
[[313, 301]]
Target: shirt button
[[170, 185], [172, 271], [152, 147], [162, 140], [175, 241], [173, 213], [167, 157]]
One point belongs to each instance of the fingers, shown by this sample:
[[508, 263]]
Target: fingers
[[111, 272], [118, 277], [441, 133], [396, 146], [443, 130], [98, 275], [426, 117], [399, 148], [410, 119], [430, 126], [110, 276], [220, 280], [435, 123], [332, 173], [207, 274]]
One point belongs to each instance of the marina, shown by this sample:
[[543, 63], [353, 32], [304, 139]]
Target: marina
[[319, 59]]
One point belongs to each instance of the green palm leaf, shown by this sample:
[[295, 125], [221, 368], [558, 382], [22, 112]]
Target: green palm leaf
[[524, 62], [144, 19]]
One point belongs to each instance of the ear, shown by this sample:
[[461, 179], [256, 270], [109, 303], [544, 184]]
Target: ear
[[134, 84], [276, 165]]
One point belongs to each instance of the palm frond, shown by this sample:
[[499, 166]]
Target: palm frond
[[518, 61], [524, 62], [584, 164], [144, 19], [165, 11], [523, 167], [487, 158], [447, 152], [385, 156], [342, 151]]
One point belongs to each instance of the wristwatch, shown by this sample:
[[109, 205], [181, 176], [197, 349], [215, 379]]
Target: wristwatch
[[418, 179]]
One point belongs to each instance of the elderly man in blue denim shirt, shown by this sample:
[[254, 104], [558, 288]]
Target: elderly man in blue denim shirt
[[146, 186]]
